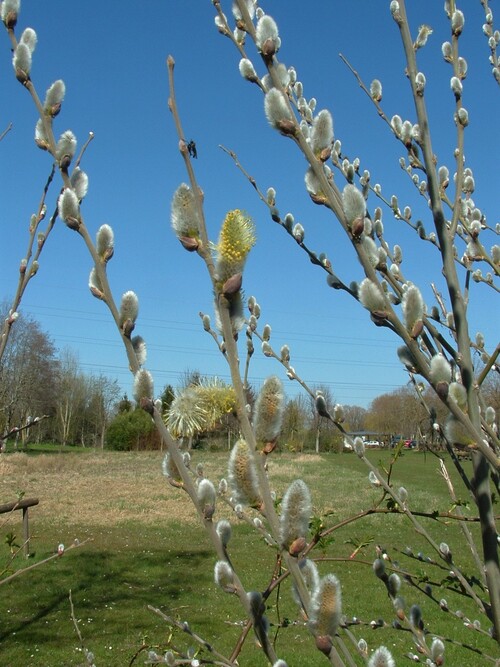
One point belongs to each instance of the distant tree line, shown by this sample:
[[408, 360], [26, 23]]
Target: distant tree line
[[45, 396], [71, 407]]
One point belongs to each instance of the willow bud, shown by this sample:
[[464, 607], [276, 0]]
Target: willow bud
[[376, 90], [139, 345], [54, 98], [372, 298], [423, 34], [183, 215], [69, 208], [9, 11], [456, 87], [247, 70], [381, 657], [143, 386], [80, 183], [278, 113], [105, 242], [224, 576], [354, 205], [65, 149], [266, 36], [29, 38], [413, 310], [457, 22], [322, 135], [129, 310], [223, 530], [22, 62], [95, 285], [206, 497]]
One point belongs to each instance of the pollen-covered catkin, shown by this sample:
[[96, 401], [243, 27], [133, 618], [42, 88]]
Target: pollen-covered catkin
[[242, 475], [296, 508], [269, 410]]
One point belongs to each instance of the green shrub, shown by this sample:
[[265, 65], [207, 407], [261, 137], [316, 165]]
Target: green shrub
[[132, 430]]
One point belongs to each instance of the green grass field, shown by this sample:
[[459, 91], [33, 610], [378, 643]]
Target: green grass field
[[147, 548]]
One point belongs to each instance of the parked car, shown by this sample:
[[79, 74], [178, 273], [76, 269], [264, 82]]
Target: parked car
[[372, 443], [410, 444], [395, 440]]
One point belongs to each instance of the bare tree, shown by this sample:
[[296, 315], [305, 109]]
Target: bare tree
[[71, 394], [102, 397], [27, 376], [355, 417]]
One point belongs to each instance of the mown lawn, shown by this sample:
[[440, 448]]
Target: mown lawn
[[147, 548]]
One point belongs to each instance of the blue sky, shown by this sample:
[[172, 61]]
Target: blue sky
[[112, 58]]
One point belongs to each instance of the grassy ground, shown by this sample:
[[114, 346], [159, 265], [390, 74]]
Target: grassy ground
[[147, 549]]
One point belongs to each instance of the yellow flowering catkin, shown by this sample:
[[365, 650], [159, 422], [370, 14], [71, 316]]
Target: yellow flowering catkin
[[236, 239]]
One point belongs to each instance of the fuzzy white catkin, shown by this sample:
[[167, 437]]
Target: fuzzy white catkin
[[353, 203], [397, 125], [104, 240], [313, 184], [66, 146], [224, 531], [322, 131], [55, 94], [183, 215], [247, 70], [9, 7], [22, 58], [359, 447], [458, 393], [139, 345], [490, 415], [94, 283], [376, 90], [143, 385], [440, 369], [381, 657], [310, 575], [68, 206], [371, 297], [457, 22], [80, 183], [206, 493], [413, 306], [456, 86], [437, 649], [41, 138], [276, 107], [224, 576], [371, 250], [266, 34], [29, 38], [250, 6], [129, 307]]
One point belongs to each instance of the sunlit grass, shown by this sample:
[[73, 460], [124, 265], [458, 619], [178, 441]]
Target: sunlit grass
[[148, 549]]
